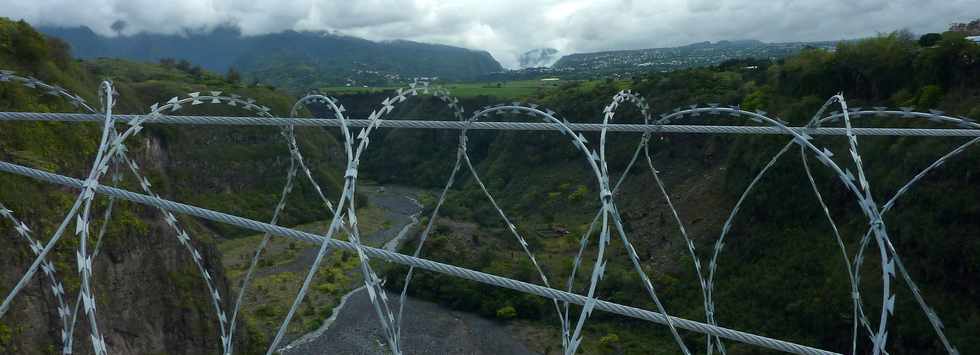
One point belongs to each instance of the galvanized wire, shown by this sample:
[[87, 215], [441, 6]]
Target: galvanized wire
[[802, 136], [967, 130]]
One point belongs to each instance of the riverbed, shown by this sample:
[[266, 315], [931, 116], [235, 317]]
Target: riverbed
[[428, 328]]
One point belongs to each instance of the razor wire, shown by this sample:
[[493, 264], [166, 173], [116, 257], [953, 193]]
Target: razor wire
[[57, 288], [117, 147], [640, 103], [934, 116], [710, 306], [931, 315], [417, 262], [295, 162], [195, 98], [871, 208], [373, 284], [801, 136], [184, 238], [377, 295], [423, 236], [645, 143], [336, 218], [47, 267], [99, 167], [854, 275], [609, 113], [68, 338], [570, 341], [803, 140]]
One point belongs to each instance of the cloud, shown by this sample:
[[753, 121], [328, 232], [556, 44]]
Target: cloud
[[507, 28]]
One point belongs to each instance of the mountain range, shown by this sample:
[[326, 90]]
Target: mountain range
[[296, 60], [672, 58]]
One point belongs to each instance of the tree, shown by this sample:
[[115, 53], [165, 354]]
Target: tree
[[118, 27], [233, 76], [196, 71], [168, 62], [60, 52], [610, 340], [929, 39], [29, 45], [184, 65], [929, 97], [951, 62], [507, 312], [876, 67]]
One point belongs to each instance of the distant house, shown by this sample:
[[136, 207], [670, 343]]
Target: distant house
[[550, 79], [969, 29]]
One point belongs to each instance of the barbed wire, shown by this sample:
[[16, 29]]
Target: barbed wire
[[343, 212], [47, 267], [426, 264]]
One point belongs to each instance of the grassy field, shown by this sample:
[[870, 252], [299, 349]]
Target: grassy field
[[501, 90]]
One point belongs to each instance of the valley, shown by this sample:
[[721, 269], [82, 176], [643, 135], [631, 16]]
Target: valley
[[780, 273], [352, 326]]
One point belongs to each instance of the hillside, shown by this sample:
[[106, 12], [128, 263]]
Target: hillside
[[674, 58], [295, 60], [780, 273], [142, 269]]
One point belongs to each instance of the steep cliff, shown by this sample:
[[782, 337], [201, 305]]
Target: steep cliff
[[150, 296]]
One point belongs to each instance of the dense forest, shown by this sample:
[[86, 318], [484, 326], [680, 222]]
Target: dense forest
[[780, 275]]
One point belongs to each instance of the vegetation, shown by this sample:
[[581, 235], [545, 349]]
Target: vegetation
[[233, 169], [501, 90], [780, 273], [298, 61]]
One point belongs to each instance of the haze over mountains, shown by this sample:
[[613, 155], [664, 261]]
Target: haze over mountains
[[304, 60], [539, 57], [289, 58]]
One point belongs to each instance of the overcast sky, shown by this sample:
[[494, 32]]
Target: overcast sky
[[507, 28]]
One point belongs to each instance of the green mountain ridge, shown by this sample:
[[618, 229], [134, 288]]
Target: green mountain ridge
[[681, 57], [296, 60]]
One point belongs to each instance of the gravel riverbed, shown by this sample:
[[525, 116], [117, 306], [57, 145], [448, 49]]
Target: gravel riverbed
[[428, 328]]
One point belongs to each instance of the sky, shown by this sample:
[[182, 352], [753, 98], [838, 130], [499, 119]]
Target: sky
[[507, 28]]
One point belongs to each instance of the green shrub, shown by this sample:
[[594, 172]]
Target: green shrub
[[610, 340], [507, 312]]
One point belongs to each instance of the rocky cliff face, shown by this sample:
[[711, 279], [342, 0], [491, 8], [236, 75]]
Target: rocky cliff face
[[150, 296], [151, 299]]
